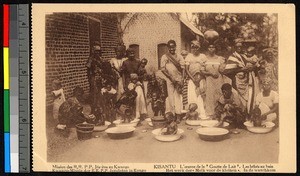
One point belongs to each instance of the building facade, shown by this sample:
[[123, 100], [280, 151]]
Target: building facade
[[148, 34], [69, 37]]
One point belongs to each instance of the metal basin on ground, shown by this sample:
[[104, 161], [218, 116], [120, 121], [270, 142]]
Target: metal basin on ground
[[212, 133], [265, 128], [167, 138], [120, 132]]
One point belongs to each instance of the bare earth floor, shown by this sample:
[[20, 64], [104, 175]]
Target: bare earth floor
[[142, 147]]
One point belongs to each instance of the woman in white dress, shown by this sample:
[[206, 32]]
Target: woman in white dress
[[196, 82]]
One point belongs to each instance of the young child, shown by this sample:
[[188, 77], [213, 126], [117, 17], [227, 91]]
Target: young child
[[192, 114], [268, 101], [142, 73], [251, 57], [256, 117], [108, 90], [171, 126], [108, 95], [184, 53], [140, 101], [230, 107], [157, 104], [125, 104], [59, 97]]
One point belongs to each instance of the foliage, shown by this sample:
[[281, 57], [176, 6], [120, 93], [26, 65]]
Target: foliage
[[258, 28]]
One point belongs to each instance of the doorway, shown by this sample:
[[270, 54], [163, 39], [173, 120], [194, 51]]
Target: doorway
[[94, 33], [161, 50]]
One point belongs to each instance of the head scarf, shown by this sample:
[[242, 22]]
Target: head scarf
[[195, 42], [184, 53]]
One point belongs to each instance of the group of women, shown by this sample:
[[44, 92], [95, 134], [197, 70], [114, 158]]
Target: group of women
[[198, 77], [204, 79]]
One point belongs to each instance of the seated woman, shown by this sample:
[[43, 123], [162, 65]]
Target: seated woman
[[70, 112], [230, 107], [267, 101]]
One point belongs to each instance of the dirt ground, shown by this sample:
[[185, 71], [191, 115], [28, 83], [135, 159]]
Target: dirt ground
[[142, 147]]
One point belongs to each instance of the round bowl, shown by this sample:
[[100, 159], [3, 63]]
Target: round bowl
[[102, 127], [120, 123], [120, 132], [84, 131], [158, 122], [193, 122], [167, 138], [209, 123], [263, 129], [212, 133]]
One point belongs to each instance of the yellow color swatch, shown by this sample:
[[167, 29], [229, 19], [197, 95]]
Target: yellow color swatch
[[6, 67]]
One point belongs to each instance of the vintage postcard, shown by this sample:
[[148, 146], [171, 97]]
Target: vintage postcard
[[164, 88]]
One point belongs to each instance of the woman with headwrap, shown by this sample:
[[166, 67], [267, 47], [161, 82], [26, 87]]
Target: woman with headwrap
[[214, 79], [196, 81], [269, 69], [241, 72]]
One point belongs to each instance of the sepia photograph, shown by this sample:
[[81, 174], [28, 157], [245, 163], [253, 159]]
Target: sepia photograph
[[159, 87]]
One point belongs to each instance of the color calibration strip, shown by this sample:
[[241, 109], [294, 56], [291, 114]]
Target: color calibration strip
[[7, 165], [23, 73], [14, 87]]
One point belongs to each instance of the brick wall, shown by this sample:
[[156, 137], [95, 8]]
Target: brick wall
[[150, 29], [67, 49]]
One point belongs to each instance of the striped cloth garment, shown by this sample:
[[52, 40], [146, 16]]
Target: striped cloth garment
[[185, 93]]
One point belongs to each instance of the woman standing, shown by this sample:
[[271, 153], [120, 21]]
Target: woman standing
[[171, 72], [214, 79], [116, 64], [196, 81], [268, 70], [242, 75]]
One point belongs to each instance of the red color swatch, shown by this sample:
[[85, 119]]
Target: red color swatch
[[5, 25]]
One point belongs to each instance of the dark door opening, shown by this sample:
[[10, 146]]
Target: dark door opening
[[161, 50], [94, 33]]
